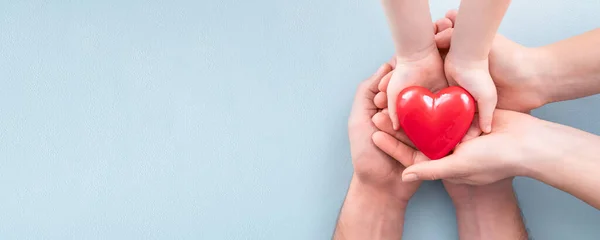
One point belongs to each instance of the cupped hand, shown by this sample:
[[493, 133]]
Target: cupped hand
[[424, 69], [372, 166], [516, 141], [475, 77], [510, 66]]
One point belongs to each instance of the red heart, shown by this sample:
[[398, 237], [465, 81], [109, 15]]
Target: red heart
[[435, 123]]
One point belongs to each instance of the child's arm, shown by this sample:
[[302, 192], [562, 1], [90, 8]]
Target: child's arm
[[467, 62], [476, 25], [418, 61], [410, 24]]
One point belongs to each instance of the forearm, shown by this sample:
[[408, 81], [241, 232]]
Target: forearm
[[476, 25], [369, 213], [490, 212], [571, 162], [410, 25], [570, 68]]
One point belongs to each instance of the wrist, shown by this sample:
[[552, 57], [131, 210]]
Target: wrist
[[377, 194], [421, 53], [478, 198], [491, 212], [542, 71], [560, 146], [548, 73], [534, 64], [369, 213]]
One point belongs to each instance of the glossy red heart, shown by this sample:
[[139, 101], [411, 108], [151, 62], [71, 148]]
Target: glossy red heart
[[435, 123]]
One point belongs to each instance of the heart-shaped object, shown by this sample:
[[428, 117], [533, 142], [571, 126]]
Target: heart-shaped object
[[435, 123]]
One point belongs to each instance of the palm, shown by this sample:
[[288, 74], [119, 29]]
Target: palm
[[427, 72]]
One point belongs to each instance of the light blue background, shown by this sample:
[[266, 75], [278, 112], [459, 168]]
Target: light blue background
[[219, 119]]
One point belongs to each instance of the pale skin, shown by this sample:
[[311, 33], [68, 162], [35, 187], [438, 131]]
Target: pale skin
[[522, 145], [377, 198], [418, 59]]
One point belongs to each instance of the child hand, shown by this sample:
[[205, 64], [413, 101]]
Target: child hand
[[426, 71], [474, 76]]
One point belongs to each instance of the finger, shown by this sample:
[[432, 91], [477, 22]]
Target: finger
[[380, 100], [473, 132], [392, 110], [443, 24], [383, 84], [376, 78], [486, 104], [363, 100], [450, 167], [385, 111], [435, 30], [396, 149], [455, 180], [383, 123], [442, 39], [451, 15], [486, 113]]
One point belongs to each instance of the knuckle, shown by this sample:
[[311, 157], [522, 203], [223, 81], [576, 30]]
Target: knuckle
[[432, 177]]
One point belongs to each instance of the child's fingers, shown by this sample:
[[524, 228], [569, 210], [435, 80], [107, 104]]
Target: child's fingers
[[383, 84], [486, 96], [486, 106], [392, 110], [380, 100]]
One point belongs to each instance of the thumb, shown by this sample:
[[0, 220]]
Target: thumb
[[486, 99], [447, 167], [392, 98]]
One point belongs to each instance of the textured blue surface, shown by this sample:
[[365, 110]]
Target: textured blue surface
[[219, 119]]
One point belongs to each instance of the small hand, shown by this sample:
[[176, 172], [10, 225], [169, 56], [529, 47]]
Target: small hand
[[424, 70], [371, 165], [475, 77]]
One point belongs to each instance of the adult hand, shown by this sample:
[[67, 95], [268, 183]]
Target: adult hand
[[519, 145], [514, 143], [377, 197], [372, 166], [511, 66]]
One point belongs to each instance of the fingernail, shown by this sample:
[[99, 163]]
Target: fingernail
[[411, 177], [488, 129]]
